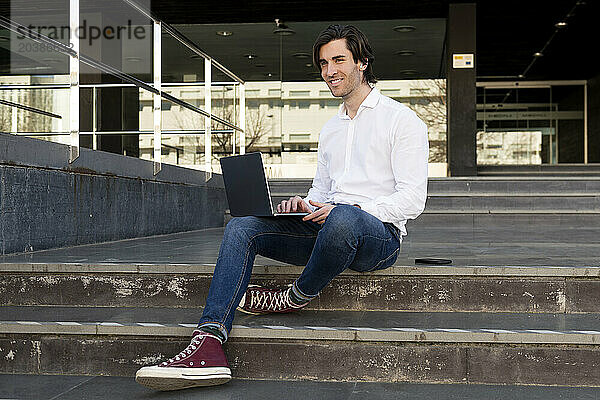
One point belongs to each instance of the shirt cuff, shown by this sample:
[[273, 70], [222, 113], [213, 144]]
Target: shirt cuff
[[312, 208]]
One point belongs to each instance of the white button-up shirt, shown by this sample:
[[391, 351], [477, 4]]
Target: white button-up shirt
[[377, 160]]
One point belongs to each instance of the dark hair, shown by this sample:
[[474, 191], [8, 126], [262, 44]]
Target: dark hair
[[356, 42]]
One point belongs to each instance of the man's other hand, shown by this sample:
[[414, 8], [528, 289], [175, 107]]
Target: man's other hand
[[319, 216], [294, 204]]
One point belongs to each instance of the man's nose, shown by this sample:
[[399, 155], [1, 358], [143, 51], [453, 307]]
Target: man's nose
[[331, 69]]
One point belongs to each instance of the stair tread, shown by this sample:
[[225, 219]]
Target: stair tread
[[61, 387], [317, 320], [555, 243]]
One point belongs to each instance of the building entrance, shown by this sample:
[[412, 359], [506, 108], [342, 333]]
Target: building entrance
[[531, 123]]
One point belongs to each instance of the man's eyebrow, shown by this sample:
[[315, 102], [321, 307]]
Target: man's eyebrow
[[341, 56]]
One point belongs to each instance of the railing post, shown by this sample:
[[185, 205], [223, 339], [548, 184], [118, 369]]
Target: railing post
[[208, 120], [74, 80], [14, 126], [242, 124], [94, 119], [157, 102]]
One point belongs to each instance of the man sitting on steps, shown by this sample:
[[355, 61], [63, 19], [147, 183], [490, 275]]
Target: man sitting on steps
[[371, 178]]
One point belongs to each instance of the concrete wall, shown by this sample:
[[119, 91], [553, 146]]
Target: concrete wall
[[46, 202]]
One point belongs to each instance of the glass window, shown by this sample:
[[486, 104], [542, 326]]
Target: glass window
[[299, 93]]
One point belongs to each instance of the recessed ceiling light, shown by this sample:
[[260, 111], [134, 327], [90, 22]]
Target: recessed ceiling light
[[250, 56], [561, 24], [404, 28], [538, 54], [284, 31], [269, 74], [308, 65], [405, 53], [224, 33], [408, 72], [301, 55], [133, 59]]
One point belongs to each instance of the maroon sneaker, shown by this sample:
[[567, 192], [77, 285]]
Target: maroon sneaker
[[260, 300], [202, 363]]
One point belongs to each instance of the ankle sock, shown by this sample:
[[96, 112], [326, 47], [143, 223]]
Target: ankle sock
[[297, 301], [212, 331]]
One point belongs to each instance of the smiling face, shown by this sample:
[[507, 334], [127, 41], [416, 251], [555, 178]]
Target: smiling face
[[338, 69]]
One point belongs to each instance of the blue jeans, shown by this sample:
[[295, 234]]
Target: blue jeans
[[349, 238]]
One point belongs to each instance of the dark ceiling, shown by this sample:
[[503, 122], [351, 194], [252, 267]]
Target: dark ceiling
[[508, 33], [294, 51]]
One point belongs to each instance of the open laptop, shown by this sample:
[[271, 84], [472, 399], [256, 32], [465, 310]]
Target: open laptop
[[247, 187]]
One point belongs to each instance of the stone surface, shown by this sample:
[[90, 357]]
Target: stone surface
[[539, 365], [346, 292], [543, 240], [43, 208], [313, 359], [374, 319], [95, 388]]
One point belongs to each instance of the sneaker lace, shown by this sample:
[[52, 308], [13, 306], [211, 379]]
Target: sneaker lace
[[190, 347], [273, 301]]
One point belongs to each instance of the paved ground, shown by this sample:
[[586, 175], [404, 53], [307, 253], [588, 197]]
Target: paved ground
[[500, 246], [113, 388]]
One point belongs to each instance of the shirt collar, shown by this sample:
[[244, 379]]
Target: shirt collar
[[370, 101]]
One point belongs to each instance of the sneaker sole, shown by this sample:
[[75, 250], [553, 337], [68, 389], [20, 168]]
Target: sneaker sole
[[164, 378], [252, 313]]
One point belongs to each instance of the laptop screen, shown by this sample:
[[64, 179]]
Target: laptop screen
[[246, 185]]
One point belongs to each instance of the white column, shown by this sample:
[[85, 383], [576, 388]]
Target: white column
[[208, 120], [242, 124], [74, 80], [157, 108]]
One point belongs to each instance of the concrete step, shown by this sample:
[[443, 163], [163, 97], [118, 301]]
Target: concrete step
[[550, 170], [490, 348], [489, 195], [109, 388], [474, 185], [520, 203], [408, 288], [479, 240], [500, 203], [544, 224]]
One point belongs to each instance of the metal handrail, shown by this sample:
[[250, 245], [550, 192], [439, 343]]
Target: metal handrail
[[58, 46], [101, 85], [145, 132], [31, 109], [182, 39]]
